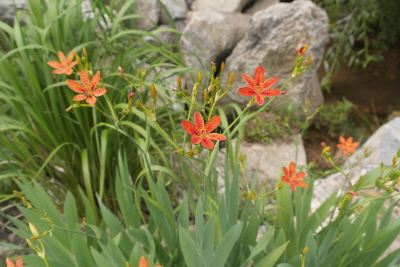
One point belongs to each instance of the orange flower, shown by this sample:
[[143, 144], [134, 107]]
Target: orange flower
[[258, 87], [87, 88], [202, 133], [347, 146], [143, 262], [66, 65], [293, 178], [18, 263]]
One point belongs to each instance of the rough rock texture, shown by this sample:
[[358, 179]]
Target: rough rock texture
[[209, 35], [226, 6], [150, 9], [383, 145], [270, 41], [269, 159], [7, 10], [176, 8], [260, 5]]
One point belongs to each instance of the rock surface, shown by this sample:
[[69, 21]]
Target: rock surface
[[226, 6], [208, 35], [383, 145], [7, 10], [272, 35]]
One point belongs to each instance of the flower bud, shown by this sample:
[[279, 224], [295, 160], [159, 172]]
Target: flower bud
[[153, 92], [179, 82], [139, 73], [222, 67], [394, 161], [69, 109], [17, 194], [199, 77], [231, 78], [206, 96], [121, 71], [33, 230], [140, 105], [213, 69], [379, 182], [389, 190], [84, 52], [305, 250], [301, 51], [131, 95]]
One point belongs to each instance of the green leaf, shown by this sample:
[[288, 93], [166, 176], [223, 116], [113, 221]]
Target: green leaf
[[272, 257], [224, 248], [190, 252]]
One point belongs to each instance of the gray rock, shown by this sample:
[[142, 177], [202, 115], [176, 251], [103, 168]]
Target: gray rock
[[225, 6], [270, 41], [150, 9], [383, 145], [176, 8], [8, 9], [260, 5], [210, 35]]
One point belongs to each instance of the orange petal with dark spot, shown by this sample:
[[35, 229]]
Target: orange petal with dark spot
[[259, 75], [212, 124], [198, 121], [189, 128], [75, 86], [247, 91], [207, 143]]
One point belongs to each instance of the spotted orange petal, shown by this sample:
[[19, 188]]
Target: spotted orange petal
[[61, 71], [99, 92], [71, 56], [349, 140], [216, 136], [55, 64], [285, 179], [85, 79], [62, 58], [292, 168], [95, 81], [75, 86], [212, 124], [68, 71], [207, 143], [268, 83], [143, 262], [300, 183], [259, 99], [299, 176], [292, 186], [198, 121], [79, 97], [250, 82], [247, 91], [259, 75], [195, 139], [355, 144], [91, 100], [189, 128], [286, 172], [271, 92], [342, 140]]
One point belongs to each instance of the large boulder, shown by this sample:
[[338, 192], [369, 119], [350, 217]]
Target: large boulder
[[270, 40], [226, 6], [177, 9], [210, 35]]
